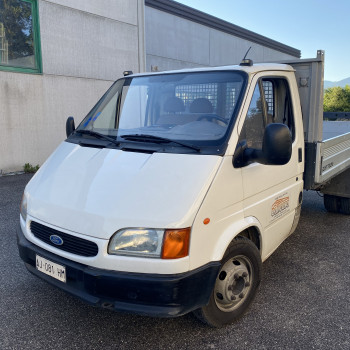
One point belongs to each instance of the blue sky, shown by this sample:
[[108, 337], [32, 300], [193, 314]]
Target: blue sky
[[307, 25]]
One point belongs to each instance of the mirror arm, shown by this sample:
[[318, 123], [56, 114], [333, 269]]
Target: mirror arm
[[239, 159]]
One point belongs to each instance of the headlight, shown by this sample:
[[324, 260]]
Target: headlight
[[23, 208], [165, 244], [140, 242]]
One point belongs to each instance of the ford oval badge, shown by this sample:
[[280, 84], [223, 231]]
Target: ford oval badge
[[56, 239]]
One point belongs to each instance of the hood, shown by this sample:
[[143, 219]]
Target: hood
[[96, 192]]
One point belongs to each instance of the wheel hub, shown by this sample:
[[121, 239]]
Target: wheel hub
[[233, 283]]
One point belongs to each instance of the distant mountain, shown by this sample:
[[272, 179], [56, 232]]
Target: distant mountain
[[341, 83]]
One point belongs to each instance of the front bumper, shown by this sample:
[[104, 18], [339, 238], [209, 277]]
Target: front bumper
[[144, 294]]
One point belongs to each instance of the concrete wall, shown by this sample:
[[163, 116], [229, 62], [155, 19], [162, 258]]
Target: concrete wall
[[173, 42], [86, 45], [34, 111], [83, 44]]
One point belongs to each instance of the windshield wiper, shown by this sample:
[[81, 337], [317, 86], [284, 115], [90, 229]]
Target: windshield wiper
[[98, 135], [156, 139]]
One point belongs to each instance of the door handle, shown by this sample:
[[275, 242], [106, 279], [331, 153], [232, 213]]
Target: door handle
[[300, 154]]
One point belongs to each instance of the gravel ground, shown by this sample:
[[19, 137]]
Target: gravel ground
[[303, 301]]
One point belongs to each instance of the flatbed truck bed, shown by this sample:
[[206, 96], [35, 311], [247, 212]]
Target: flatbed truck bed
[[327, 143]]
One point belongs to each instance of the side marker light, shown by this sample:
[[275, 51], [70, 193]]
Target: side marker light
[[206, 221]]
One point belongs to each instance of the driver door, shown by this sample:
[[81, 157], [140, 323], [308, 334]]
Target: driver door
[[271, 192]]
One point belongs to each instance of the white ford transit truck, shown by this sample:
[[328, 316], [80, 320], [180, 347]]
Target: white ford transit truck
[[174, 189]]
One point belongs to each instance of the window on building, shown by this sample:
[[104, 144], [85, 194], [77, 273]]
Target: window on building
[[271, 103], [19, 36]]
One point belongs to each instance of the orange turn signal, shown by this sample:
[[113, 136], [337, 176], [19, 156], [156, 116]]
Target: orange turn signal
[[176, 243]]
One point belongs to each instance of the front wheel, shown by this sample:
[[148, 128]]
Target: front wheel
[[235, 286]]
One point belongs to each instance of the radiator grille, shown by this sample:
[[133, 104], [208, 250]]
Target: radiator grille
[[70, 244]]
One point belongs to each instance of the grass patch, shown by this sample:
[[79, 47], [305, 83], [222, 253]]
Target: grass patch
[[28, 168]]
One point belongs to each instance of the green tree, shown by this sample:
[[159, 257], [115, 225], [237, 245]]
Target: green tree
[[337, 99], [16, 16]]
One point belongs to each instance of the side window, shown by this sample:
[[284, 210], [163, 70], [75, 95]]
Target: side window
[[271, 103], [19, 36], [253, 128], [283, 110]]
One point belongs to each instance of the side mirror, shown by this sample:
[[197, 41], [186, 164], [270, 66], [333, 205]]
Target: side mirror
[[276, 148], [277, 145], [70, 126]]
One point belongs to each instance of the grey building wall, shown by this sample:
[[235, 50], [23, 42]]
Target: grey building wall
[[86, 45], [178, 36]]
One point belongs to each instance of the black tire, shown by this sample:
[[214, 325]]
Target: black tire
[[336, 204], [236, 284], [330, 203], [344, 205]]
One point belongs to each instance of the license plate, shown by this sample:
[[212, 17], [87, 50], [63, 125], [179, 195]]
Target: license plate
[[50, 268]]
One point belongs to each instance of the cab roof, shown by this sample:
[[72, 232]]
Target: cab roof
[[255, 68]]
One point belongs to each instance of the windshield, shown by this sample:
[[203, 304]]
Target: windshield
[[195, 109]]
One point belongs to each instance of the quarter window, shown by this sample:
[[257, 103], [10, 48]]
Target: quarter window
[[19, 36]]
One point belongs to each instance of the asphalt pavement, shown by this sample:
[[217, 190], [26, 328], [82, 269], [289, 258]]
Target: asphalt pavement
[[303, 301]]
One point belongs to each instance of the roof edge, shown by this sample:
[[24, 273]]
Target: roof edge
[[207, 20]]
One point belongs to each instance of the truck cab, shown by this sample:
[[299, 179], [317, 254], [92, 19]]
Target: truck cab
[[171, 193]]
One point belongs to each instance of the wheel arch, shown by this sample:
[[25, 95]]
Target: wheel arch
[[248, 227], [253, 234]]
